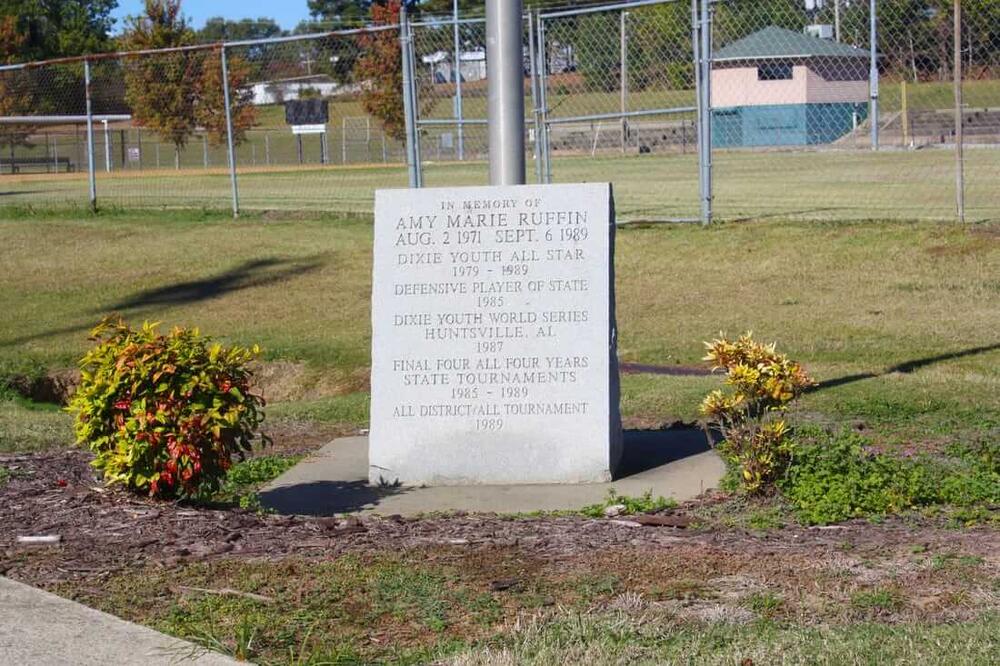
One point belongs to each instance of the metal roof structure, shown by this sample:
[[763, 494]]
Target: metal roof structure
[[774, 42]]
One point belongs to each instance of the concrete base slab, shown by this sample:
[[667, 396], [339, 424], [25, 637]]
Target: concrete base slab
[[674, 463], [37, 627]]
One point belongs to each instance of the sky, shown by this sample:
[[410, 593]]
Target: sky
[[287, 13]]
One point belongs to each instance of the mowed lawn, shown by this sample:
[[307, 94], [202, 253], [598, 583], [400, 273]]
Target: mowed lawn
[[900, 322], [806, 185]]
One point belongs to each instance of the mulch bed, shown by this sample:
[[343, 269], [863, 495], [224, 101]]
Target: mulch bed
[[105, 530]]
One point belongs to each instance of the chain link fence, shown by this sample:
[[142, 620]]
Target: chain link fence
[[732, 109], [849, 114]]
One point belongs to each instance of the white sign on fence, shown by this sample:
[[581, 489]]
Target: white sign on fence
[[308, 129]]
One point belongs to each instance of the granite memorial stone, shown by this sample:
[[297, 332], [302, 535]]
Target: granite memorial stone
[[493, 336]]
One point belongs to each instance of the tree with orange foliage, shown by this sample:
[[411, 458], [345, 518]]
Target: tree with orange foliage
[[16, 94], [379, 70], [210, 103]]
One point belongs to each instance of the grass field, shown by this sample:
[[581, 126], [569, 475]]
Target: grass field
[[571, 99], [832, 185], [898, 320]]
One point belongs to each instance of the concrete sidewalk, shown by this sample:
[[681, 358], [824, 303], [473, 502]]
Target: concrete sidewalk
[[675, 463], [39, 628]]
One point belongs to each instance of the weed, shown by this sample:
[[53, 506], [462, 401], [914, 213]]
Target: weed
[[835, 477], [770, 518], [766, 604], [955, 561], [645, 503], [884, 599], [244, 478]]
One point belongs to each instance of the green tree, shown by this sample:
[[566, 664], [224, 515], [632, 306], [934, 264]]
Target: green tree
[[58, 28], [596, 46], [219, 29], [340, 13]]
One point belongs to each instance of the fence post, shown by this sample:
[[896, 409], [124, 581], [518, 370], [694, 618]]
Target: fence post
[[229, 132], [699, 114], [457, 70], [543, 110], [409, 111], [623, 58], [533, 66], [873, 76], [505, 85], [836, 20], [905, 109], [107, 147], [959, 120], [706, 112], [91, 176]]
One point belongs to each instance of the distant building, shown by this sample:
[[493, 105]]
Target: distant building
[[278, 92], [473, 65], [779, 87]]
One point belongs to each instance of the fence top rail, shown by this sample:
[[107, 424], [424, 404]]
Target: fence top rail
[[60, 120], [116, 55], [445, 21], [594, 9]]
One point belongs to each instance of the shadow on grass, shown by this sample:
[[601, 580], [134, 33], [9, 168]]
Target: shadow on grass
[[248, 275], [905, 368], [12, 193]]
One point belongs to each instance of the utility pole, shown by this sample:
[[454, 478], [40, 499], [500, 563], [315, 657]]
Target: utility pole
[[505, 85]]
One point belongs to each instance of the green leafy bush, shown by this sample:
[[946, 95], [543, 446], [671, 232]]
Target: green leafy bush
[[836, 477], [164, 414], [750, 413]]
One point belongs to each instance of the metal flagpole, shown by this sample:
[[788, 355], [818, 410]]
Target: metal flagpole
[[505, 85], [229, 134]]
